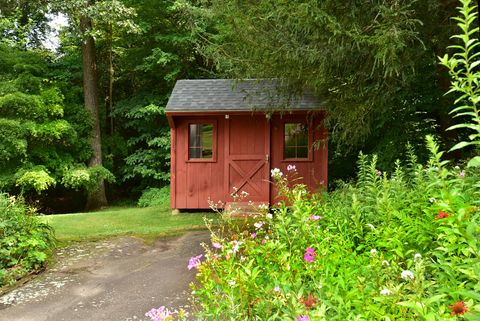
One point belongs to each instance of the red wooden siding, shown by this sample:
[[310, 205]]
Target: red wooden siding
[[246, 147], [197, 180], [312, 170]]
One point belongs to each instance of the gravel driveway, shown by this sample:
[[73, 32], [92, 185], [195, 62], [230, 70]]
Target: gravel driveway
[[110, 280]]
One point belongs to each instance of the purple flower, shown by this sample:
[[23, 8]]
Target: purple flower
[[309, 255], [315, 217], [462, 174], [303, 318], [379, 173], [291, 167], [254, 235], [194, 262], [217, 245]]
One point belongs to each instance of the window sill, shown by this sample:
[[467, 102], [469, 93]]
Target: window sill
[[206, 160]]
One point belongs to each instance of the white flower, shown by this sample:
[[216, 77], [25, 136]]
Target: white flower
[[276, 173], [407, 275], [269, 216], [371, 226], [417, 257], [385, 263], [231, 282], [385, 291], [263, 207], [373, 251], [258, 224], [236, 246], [432, 200]]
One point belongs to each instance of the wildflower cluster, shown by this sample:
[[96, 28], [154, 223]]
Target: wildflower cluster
[[390, 243]]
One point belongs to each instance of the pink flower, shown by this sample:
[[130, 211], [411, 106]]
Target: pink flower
[[217, 245], [194, 262], [291, 167], [462, 174], [276, 289], [254, 235], [309, 255], [264, 241], [159, 314], [315, 217], [303, 318]]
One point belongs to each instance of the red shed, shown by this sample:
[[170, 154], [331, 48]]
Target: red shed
[[223, 136]]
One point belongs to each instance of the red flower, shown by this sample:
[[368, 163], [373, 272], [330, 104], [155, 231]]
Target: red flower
[[309, 301], [458, 308], [442, 214]]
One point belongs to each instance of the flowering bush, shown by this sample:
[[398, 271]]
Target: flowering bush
[[403, 246]]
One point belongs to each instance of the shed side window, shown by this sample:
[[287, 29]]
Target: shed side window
[[296, 140], [200, 141]]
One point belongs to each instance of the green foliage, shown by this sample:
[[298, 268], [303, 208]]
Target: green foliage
[[36, 178], [39, 138], [399, 246], [372, 64], [149, 147], [463, 67], [86, 177], [25, 242], [155, 197]]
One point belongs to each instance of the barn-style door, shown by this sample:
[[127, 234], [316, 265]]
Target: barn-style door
[[247, 155]]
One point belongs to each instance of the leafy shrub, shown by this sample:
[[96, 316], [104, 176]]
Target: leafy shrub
[[398, 247], [25, 243], [155, 197]]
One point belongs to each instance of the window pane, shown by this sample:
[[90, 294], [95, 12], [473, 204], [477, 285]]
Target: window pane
[[296, 140], [200, 141]]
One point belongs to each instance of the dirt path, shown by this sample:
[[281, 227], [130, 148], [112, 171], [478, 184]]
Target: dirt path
[[111, 280]]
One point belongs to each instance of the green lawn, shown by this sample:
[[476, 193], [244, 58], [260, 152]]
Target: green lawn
[[146, 222]]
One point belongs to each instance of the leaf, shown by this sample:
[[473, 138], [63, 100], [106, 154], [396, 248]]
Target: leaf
[[461, 145], [471, 126], [474, 162]]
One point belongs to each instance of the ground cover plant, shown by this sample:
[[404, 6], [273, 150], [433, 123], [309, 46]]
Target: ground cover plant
[[25, 242]]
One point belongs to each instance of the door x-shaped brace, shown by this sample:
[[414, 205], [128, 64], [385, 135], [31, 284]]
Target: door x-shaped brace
[[248, 176]]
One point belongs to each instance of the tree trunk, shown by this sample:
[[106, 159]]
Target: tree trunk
[[96, 198], [110, 77]]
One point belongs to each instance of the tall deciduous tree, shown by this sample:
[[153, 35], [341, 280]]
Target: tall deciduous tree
[[91, 17], [96, 198]]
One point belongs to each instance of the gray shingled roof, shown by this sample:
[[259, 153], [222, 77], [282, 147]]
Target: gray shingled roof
[[230, 95]]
